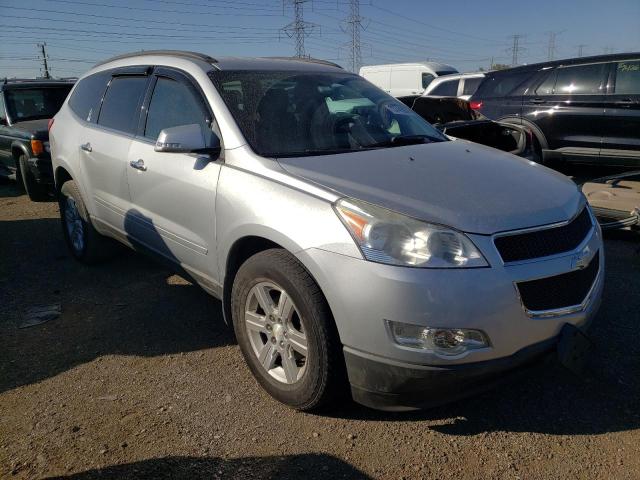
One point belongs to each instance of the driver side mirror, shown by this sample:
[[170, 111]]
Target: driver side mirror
[[188, 139]]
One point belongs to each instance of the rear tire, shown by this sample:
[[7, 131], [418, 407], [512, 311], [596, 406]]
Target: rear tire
[[36, 191], [83, 240], [271, 331]]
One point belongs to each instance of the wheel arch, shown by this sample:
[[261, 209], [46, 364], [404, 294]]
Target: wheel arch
[[531, 126], [17, 149], [60, 176]]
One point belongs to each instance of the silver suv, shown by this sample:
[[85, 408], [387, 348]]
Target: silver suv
[[349, 241]]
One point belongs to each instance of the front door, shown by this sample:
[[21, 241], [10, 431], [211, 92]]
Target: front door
[[621, 131], [173, 194]]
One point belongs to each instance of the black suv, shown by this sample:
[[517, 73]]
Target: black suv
[[25, 109], [584, 110]]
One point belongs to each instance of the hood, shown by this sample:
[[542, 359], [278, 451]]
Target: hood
[[37, 127], [464, 185]]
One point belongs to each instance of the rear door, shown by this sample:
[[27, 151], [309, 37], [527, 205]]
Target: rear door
[[104, 146], [568, 107], [621, 130], [173, 194]]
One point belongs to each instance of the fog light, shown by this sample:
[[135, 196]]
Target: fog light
[[443, 341]]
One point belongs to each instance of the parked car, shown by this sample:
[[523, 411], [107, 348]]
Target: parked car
[[455, 117], [348, 239], [25, 109], [401, 79], [584, 110], [461, 85]]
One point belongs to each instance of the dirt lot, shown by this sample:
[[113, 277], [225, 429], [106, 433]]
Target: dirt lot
[[140, 378]]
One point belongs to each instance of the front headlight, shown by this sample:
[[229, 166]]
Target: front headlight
[[388, 237]]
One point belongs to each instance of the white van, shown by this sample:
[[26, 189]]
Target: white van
[[401, 79]]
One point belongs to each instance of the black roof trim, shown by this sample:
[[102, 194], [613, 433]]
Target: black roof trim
[[308, 60], [574, 61], [175, 53]]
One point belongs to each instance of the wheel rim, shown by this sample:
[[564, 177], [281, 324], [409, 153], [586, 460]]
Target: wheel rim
[[276, 332], [73, 222]]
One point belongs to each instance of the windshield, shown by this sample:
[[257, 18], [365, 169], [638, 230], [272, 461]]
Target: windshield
[[300, 113], [35, 103]]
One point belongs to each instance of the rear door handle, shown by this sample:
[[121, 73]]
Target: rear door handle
[[538, 101], [138, 164], [86, 147]]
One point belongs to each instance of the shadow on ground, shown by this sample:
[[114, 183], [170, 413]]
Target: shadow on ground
[[310, 466]]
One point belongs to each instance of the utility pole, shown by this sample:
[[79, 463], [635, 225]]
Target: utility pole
[[516, 49], [45, 65], [298, 29], [551, 49], [581, 49], [353, 27]]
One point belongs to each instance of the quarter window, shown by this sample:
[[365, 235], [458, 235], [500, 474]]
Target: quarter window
[[85, 99], [583, 79], [446, 89], [121, 107], [471, 85], [628, 78], [3, 115], [546, 87], [173, 104]]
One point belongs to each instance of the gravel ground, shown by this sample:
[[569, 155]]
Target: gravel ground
[[140, 378]]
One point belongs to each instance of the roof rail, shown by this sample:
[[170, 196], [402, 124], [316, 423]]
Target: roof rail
[[308, 60], [175, 53], [7, 80]]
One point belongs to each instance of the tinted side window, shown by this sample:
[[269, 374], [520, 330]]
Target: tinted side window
[[446, 89], [3, 115], [85, 99], [502, 84], [471, 85], [427, 78], [173, 104], [121, 105], [583, 79], [628, 78]]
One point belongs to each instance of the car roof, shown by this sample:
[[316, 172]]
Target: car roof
[[233, 63], [572, 61], [15, 83]]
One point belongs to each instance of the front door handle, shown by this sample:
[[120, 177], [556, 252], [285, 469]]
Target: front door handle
[[138, 164], [538, 101], [86, 147]]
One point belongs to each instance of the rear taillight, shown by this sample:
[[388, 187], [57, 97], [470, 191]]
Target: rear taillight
[[50, 124], [475, 105]]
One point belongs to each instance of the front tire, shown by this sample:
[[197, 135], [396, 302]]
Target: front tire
[[83, 240], [286, 332], [36, 191]]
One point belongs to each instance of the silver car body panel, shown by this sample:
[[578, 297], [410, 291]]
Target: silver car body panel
[[198, 215]]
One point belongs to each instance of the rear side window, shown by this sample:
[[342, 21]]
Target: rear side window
[[628, 78], [427, 78], [121, 105], [446, 89], [546, 87], [471, 85], [582, 79], [173, 104], [503, 84], [85, 99]]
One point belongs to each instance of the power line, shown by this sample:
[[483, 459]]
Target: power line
[[581, 49], [298, 29]]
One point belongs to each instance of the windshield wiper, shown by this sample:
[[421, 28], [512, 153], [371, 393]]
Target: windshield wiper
[[402, 140]]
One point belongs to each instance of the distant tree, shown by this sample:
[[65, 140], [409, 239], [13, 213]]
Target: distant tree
[[499, 66]]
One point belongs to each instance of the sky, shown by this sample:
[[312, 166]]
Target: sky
[[465, 34]]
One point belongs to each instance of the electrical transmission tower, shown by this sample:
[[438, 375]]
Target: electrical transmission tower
[[353, 25], [581, 49], [516, 49], [552, 48], [299, 29], [607, 50], [45, 64]]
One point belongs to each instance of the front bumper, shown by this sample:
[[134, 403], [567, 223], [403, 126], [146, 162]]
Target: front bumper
[[42, 169], [364, 295]]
